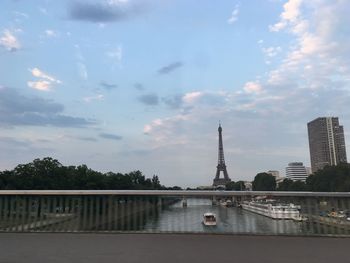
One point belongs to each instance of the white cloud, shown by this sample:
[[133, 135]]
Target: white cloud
[[300, 27], [252, 87], [116, 54], [116, 2], [9, 41], [51, 33], [82, 70], [291, 12], [149, 127], [20, 14], [43, 10], [46, 81], [98, 97], [234, 16], [271, 51], [278, 26], [165, 131], [192, 96], [42, 85], [310, 44], [40, 74], [319, 44]]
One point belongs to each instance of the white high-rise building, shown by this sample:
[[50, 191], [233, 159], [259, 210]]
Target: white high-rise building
[[296, 171]]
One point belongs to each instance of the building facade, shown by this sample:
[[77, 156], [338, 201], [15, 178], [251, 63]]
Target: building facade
[[296, 171], [326, 142]]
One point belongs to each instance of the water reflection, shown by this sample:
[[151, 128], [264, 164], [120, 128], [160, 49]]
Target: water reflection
[[229, 220], [153, 214]]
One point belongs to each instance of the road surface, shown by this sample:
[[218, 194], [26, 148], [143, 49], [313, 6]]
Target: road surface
[[168, 248]]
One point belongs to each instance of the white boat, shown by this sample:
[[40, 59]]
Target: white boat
[[229, 203], [226, 203], [273, 210], [209, 219]]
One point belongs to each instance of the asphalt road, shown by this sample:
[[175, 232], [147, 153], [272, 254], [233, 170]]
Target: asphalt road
[[168, 248]]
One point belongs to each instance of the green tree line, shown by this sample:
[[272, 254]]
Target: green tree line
[[235, 186], [328, 179], [50, 174]]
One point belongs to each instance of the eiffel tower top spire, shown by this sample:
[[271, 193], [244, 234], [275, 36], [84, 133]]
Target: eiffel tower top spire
[[221, 167]]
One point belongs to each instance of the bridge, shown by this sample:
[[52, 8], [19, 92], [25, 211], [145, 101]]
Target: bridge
[[154, 226], [160, 248]]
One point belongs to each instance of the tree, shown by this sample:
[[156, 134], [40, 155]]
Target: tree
[[174, 188], [298, 186], [285, 185], [240, 186], [290, 185], [50, 174], [235, 186], [330, 179], [230, 186], [6, 180], [264, 182], [155, 182]]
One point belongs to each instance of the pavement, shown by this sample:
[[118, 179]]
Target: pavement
[[168, 248]]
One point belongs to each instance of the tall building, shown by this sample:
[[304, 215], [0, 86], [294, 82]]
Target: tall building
[[221, 167], [326, 142], [296, 171]]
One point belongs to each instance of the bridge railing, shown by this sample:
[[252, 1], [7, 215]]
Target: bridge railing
[[236, 212]]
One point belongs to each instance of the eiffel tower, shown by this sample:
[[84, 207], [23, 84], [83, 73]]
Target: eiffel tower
[[221, 167]]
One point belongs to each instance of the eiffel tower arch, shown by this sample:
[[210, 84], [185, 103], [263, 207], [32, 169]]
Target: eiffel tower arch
[[221, 167]]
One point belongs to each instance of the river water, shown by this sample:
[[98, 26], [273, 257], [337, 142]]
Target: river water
[[176, 218]]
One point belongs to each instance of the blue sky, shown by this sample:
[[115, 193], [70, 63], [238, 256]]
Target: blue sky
[[122, 85]]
